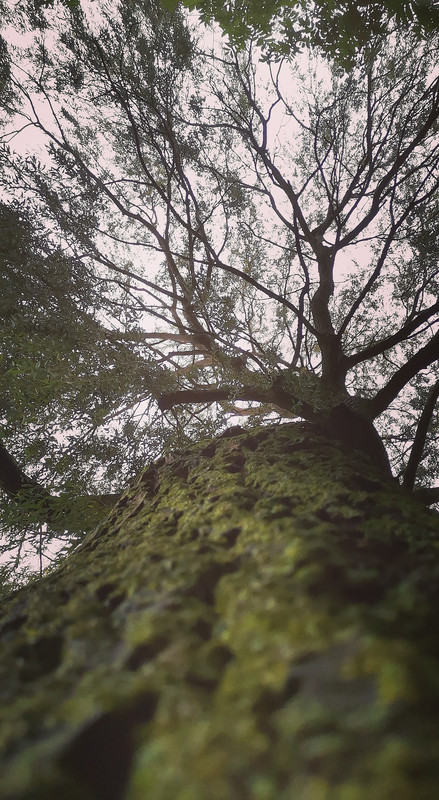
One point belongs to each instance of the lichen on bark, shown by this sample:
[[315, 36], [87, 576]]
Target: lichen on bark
[[255, 620]]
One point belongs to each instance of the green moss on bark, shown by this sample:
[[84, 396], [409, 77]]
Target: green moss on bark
[[256, 619]]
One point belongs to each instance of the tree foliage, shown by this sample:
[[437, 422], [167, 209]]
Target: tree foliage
[[219, 234], [341, 30]]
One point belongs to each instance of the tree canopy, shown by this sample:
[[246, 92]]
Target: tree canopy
[[195, 231], [341, 30]]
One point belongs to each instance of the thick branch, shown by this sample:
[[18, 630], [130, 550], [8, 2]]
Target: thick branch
[[422, 359], [420, 437], [277, 396], [427, 495], [13, 479], [333, 359], [390, 341], [51, 510]]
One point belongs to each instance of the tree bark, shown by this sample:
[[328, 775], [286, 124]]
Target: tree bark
[[256, 620]]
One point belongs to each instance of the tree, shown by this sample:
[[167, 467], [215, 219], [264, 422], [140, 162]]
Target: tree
[[242, 302], [255, 618]]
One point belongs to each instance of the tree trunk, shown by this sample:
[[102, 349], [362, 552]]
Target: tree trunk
[[257, 619]]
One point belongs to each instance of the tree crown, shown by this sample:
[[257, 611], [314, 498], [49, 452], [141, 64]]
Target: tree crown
[[238, 235]]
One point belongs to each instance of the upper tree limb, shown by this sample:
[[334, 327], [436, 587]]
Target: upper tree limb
[[422, 359], [427, 495], [274, 395], [420, 437], [390, 341]]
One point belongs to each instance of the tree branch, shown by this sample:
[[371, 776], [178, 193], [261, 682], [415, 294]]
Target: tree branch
[[427, 495], [13, 479], [422, 359], [402, 158], [52, 510], [390, 341], [420, 437], [276, 396]]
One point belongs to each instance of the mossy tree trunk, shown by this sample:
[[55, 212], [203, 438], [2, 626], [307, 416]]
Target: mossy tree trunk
[[257, 619]]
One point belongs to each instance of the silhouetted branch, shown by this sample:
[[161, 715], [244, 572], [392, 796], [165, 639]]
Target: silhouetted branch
[[51, 509], [390, 341], [422, 359], [420, 437], [13, 479], [276, 396], [428, 495]]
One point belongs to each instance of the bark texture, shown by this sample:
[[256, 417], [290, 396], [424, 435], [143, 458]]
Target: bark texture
[[256, 620]]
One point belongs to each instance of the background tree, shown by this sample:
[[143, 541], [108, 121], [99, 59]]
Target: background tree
[[54, 349], [244, 246]]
